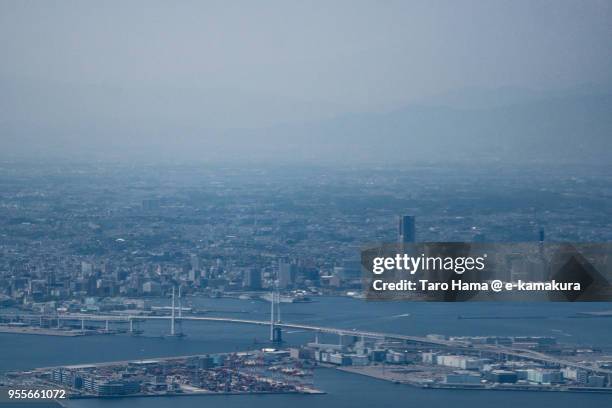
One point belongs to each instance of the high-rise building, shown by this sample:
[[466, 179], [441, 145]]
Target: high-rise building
[[286, 274], [194, 260], [194, 275], [406, 229], [252, 279]]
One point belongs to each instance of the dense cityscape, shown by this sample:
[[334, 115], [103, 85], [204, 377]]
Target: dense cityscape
[[73, 234], [333, 204], [107, 248]]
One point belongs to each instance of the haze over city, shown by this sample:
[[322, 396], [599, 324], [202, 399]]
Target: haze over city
[[308, 204]]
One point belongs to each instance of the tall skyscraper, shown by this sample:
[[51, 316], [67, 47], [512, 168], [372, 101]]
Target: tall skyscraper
[[194, 260], [406, 229], [252, 279], [286, 274]]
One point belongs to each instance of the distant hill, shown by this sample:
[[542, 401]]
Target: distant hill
[[565, 127], [570, 129]]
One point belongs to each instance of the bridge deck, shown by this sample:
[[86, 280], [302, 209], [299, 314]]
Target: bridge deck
[[508, 351]]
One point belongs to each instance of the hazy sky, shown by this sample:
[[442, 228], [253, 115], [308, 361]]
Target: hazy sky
[[257, 63], [351, 53]]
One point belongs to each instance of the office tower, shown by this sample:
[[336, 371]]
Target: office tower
[[194, 275], [194, 260], [252, 279], [286, 274], [543, 272], [406, 229], [349, 269]]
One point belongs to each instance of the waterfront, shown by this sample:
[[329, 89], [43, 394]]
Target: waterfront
[[343, 389], [353, 390], [165, 182]]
